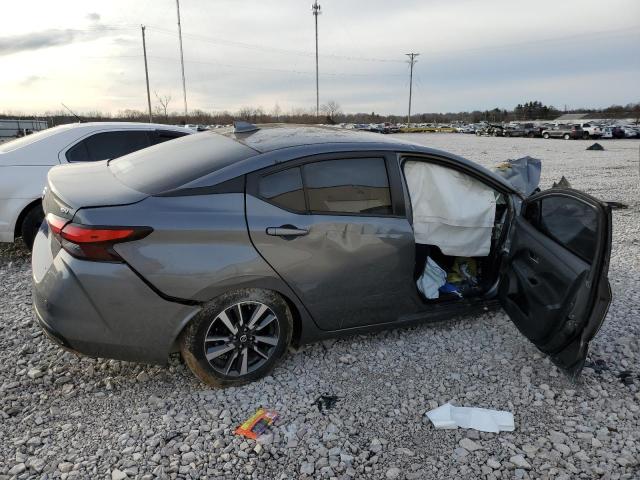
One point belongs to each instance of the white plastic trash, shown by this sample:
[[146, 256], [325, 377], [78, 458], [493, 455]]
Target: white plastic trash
[[432, 278], [483, 419]]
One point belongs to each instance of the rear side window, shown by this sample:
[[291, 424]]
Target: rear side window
[[78, 153], [107, 145], [284, 189], [568, 221], [358, 185], [171, 165]]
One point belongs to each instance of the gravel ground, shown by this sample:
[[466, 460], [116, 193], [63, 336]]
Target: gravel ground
[[70, 417]]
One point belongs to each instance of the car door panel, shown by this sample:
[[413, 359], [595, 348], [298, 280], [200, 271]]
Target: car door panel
[[351, 268], [554, 286], [348, 270]]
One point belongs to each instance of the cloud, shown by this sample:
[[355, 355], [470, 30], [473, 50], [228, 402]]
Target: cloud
[[46, 38], [93, 16], [30, 80]]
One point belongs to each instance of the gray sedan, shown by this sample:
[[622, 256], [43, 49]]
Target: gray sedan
[[229, 246]]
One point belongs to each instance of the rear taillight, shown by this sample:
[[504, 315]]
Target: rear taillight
[[93, 242]]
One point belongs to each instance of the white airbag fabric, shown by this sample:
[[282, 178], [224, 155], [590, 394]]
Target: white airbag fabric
[[483, 419], [451, 210]]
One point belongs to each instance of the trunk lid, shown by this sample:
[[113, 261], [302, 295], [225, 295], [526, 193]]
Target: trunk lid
[[71, 187]]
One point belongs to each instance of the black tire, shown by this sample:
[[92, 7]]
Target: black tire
[[586, 136], [31, 224], [225, 369], [530, 135], [566, 136], [545, 135]]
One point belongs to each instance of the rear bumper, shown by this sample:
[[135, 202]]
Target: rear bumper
[[102, 309]]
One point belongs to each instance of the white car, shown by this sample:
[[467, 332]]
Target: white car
[[24, 164], [607, 132], [590, 130]]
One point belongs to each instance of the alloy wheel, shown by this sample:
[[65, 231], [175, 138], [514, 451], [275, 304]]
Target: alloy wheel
[[241, 338]]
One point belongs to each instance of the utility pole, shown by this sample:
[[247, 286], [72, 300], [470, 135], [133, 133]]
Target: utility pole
[[412, 61], [184, 88], [316, 10], [146, 71]]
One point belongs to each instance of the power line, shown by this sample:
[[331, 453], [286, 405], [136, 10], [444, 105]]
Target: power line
[[279, 50], [248, 67], [412, 62]]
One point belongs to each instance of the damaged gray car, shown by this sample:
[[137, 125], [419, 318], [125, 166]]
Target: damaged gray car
[[229, 246]]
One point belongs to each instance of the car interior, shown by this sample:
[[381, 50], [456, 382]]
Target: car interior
[[460, 232]]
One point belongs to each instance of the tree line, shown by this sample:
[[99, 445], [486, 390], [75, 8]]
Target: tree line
[[331, 113]]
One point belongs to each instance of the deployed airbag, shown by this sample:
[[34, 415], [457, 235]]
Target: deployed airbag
[[451, 210]]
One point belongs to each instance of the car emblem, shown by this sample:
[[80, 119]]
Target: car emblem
[[65, 210]]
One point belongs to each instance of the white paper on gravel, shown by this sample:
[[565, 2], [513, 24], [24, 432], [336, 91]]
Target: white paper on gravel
[[483, 419], [451, 209]]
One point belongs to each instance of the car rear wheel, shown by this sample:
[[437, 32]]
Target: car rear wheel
[[31, 224], [237, 338], [566, 136], [545, 135]]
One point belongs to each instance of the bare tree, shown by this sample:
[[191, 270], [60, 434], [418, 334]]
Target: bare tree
[[331, 109], [163, 107], [276, 112]]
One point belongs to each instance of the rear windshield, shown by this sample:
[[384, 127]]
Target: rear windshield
[[170, 165]]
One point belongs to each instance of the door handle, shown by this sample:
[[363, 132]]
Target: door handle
[[286, 231], [533, 257]]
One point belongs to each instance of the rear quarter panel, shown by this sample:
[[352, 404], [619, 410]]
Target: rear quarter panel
[[19, 187], [199, 247]]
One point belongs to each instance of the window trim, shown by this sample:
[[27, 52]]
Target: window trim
[[393, 179]]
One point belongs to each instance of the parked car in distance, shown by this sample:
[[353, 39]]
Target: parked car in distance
[[590, 130], [529, 130], [618, 132], [629, 131], [259, 238], [607, 132], [563, 131], [24, 164]]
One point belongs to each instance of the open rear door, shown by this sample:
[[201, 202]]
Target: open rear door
[[554, 283]]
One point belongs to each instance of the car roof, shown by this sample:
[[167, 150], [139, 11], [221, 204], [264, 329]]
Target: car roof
[[275, 144], [275, 137]]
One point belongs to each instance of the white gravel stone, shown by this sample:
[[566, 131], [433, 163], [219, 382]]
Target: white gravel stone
[[392, 473], [118, 474]]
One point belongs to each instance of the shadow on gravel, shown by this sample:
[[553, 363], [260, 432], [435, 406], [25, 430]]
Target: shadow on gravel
[[11, 252]]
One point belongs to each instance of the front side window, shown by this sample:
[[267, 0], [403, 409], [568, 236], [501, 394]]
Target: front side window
[[284, 189], [357, 185], [568, 221], [107, 145]]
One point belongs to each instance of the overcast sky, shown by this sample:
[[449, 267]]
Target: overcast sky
[[473, 54]]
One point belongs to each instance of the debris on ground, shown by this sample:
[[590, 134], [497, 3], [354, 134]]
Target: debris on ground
[[598, 365], [325, 402], [257, 424], [626, 377], [595, 146], [562, 183], [448, 417]]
